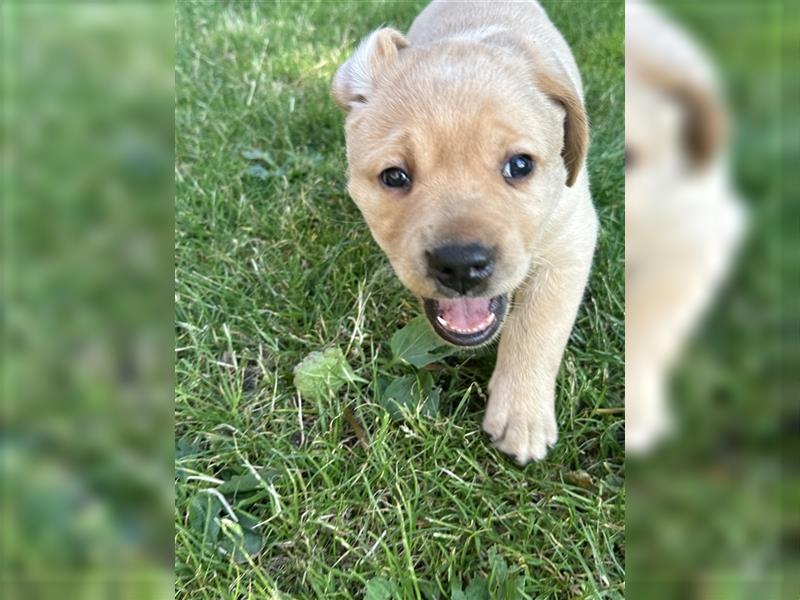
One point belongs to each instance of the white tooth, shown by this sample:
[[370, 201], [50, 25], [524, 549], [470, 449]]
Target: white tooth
[[490, 318]]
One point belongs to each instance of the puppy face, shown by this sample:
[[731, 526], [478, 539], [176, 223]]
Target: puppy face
[[454, 172]]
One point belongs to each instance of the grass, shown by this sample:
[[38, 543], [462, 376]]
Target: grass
[[273, 266]]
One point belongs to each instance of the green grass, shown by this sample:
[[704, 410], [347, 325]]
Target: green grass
[[270, 269]]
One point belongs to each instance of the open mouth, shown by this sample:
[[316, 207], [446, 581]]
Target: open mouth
[[466, 321]]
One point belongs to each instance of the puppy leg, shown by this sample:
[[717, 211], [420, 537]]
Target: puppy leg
[[520, 417], [647, 416]]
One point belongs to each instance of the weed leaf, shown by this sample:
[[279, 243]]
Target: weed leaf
[[258, 171], [478, 589], [321, 374], [504, 583], [253, 154], [203, 512], [240, 542], [429, 590], [498, 566], [417, 344], [185, 448], [379, 588], [456, 593], [407, 393], [246, 483], [399, 395]]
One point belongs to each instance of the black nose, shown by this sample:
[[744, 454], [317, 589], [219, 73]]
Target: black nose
[[461, 267]]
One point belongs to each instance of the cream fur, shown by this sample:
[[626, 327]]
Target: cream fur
[[469, 85], [683, 219]]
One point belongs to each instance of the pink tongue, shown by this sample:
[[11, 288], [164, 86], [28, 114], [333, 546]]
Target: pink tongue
[[465, 313]]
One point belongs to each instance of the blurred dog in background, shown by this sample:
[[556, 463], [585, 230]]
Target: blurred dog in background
[[683, 219]]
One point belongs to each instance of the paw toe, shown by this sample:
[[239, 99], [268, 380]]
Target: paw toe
[[495, 425], [526, 441]]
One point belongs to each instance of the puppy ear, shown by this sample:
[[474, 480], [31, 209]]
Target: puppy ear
[[576, 123], [355, 80], [705, 125], [696, 92]]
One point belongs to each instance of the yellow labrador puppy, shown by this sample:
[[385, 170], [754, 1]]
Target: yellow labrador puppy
[[683, 217], [466, 143]]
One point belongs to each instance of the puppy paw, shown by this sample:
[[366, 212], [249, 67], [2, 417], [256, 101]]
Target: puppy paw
[[519, 426], [644, 434]]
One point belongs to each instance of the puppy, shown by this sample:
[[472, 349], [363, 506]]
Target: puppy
[[466, 144], [683, 220]]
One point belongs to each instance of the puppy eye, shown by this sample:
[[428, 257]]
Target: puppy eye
[[395, 177], [518, 166]]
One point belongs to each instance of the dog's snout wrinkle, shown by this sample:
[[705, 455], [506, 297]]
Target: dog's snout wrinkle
[[461, 267]]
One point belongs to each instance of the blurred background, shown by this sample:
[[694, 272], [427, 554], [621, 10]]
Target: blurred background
[[711, 326], [86, 442]]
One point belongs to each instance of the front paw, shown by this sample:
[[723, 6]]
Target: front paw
[[519, 423], [644, 432]]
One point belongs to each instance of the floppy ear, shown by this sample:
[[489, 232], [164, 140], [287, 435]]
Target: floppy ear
[[705, 125], [551, 78], [355, 80], [576, 123]]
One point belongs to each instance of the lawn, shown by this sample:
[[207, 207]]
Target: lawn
[[336, 496]]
